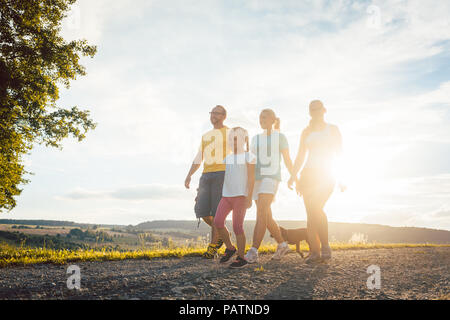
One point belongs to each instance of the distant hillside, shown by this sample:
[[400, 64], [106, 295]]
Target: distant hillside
[[338, 231], [51, 242], [51, 223]]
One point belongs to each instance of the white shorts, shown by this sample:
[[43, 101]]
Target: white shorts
[[266, 185]]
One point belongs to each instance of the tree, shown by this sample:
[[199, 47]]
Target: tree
[[77, 233], [34, 61]]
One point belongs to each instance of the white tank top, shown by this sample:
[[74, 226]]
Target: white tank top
[[321, 149]]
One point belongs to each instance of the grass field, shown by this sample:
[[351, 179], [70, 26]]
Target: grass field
[[14, 256]]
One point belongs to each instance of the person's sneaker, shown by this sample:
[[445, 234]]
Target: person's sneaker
[[228, 254], [252, 255], [282, 249], [239, 263], [210, 252], [326, 253], [313, 258]]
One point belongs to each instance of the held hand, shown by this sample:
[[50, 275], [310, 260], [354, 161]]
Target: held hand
[[297, 187], [291, 181], [187, 182]]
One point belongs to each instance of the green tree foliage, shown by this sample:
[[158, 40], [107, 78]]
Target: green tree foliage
[[88, 235], [77, 233], [34, 61], [38, 241]]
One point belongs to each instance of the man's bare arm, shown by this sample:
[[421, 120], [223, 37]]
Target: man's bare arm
[[194, 167]]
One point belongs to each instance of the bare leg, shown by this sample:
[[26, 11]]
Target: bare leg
[[273, 227], [312, 225], [241, 245], [262, 219], [323, 229], [322, 218], [225, 236], [209, 220], [260, 227], [214, 233]]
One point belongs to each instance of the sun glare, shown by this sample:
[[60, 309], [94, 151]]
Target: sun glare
[[360, 168]]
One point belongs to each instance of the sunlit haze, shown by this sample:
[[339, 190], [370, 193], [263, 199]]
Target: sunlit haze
[[381, 69]]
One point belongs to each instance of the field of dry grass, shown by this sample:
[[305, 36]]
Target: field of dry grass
[[32, 230]]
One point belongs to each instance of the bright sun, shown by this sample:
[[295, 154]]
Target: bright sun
[[360, 168]]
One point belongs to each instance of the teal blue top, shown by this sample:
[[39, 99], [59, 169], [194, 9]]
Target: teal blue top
[[268, 154]]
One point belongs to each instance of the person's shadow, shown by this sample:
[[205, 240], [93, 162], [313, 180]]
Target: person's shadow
[[300, 283]]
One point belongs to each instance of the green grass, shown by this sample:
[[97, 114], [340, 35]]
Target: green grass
[[13, 256]]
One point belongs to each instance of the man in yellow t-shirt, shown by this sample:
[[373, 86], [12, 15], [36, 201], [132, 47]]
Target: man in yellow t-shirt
[[212, 152]]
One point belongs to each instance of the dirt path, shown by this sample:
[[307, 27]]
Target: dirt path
[[408, 273]]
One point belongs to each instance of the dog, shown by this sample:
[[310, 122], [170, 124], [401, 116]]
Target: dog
[[294, 236]]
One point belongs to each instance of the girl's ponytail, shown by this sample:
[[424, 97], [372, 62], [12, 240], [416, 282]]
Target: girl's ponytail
[[277, 123], [276, 120]]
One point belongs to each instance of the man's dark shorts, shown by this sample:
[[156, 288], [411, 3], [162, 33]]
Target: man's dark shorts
[[209, 193]]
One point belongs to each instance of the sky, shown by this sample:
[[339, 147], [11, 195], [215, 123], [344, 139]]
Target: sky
[[380, 67]]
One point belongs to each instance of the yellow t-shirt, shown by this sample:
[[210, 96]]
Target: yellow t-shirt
[[214, 149]]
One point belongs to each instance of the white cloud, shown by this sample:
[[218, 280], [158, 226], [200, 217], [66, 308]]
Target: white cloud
[[131, 193]]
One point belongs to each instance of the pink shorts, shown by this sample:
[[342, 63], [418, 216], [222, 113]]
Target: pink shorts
[[239, 207]]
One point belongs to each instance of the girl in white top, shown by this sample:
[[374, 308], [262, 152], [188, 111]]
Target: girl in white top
[[236, 195]]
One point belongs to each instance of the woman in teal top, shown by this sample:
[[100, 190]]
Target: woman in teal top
[[268, 147], [266, 166]]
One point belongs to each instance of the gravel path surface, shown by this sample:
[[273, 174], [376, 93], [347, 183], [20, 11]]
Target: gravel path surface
[[406, 273]]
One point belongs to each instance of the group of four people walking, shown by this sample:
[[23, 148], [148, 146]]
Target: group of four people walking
[[235, 172]]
